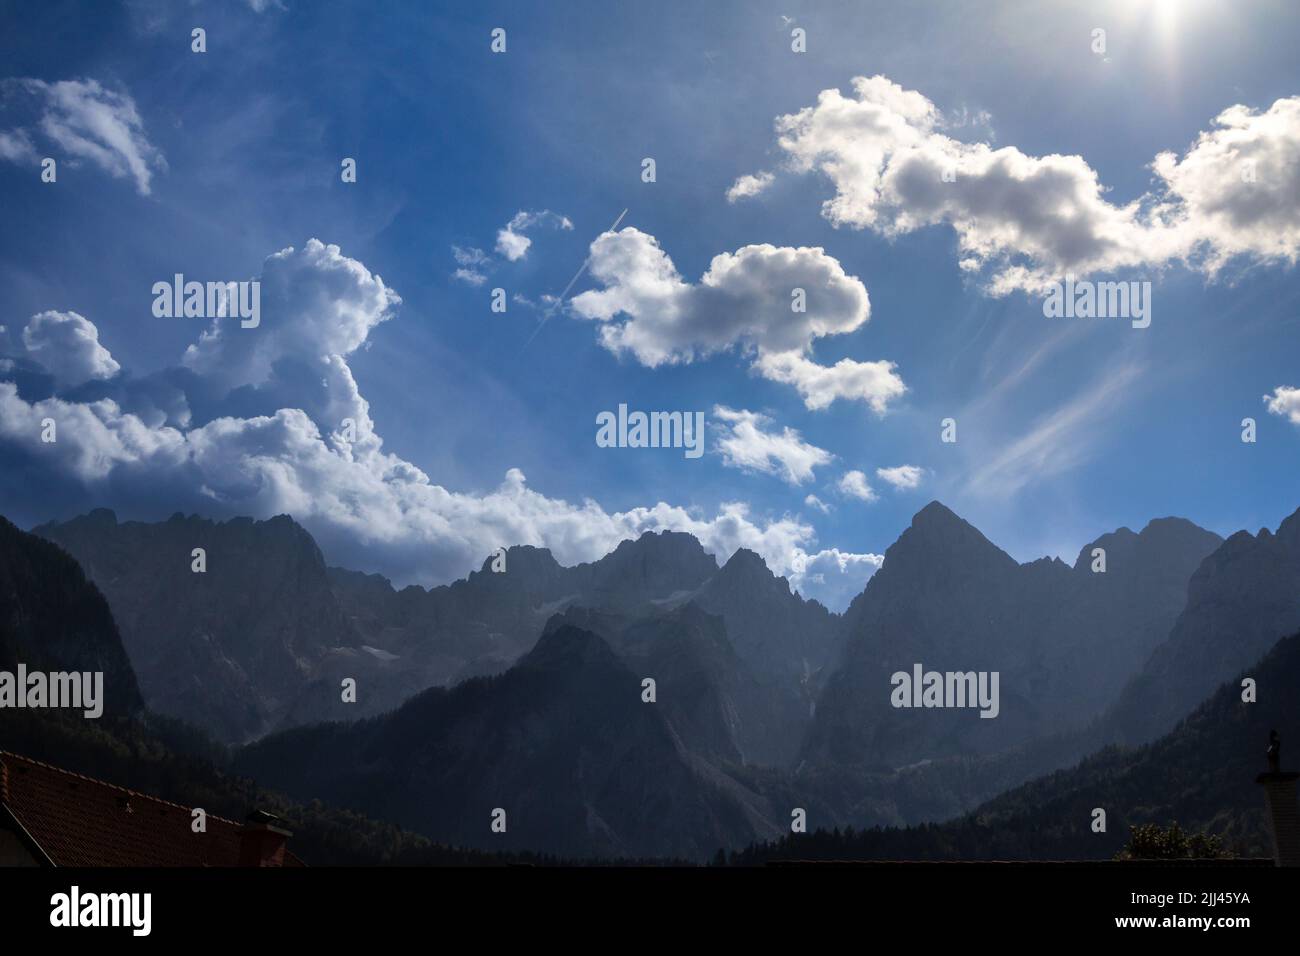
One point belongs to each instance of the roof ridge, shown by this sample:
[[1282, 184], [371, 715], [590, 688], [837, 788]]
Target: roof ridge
[[104, 783]]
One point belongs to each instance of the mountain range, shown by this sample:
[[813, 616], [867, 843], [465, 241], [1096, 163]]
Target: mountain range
[[1239, 600], [652, 703], [1200, 774], [1064, 639], [563, 743], [262, 638], [53, 620]]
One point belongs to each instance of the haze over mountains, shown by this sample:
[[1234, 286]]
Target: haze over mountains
[[524, 689], [228, 650]]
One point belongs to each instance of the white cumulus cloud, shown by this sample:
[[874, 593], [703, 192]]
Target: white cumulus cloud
[[324, 304], [67, 345], [1237, 189], [743, 301], [835, 577], [294, 456], [511, 241], [749, 185], [746, 444], [853, 484], [1030, 219], [903, 477], [876, 383], [1285, 401]]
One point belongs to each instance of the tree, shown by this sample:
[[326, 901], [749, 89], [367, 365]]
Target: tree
[[1150, 841]]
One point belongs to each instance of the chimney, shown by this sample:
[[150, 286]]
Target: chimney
[[262, 840], [1280, 799]]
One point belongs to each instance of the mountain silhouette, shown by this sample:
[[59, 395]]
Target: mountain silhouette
[[1240, 599], [483, 623], [717, 705], [227, 649], [1200, 775], [785, 639], [522, 687], [1062, 639], [264, 636], [562, 742], [54, 620]]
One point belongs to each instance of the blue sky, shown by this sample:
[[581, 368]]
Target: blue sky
[[1067, 428]]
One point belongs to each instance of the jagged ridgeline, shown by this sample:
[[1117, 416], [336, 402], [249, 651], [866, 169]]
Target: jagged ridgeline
[[52, 620], [272, 631], [563, 744], [1199, 775], [1063, 638], [652, 703]]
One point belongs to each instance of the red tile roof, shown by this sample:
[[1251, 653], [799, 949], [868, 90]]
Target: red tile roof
[[79, 821]]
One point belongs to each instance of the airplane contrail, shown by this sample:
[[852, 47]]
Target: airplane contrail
[[576, 276]]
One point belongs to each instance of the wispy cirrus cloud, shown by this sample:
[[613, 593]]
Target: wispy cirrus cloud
[[87, 122], [472, 265], [1059, 441], [812, 501], [16, 146]]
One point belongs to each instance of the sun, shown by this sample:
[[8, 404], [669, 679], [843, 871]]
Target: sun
[[1166, 24], [1166, 14]]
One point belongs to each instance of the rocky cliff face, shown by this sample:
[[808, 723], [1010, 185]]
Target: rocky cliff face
[[228, 649], [718, 707], [1243, 598], [783, 638], [484, 623], [265, 636], [1063, 640], [562, 743], [53, 619]]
